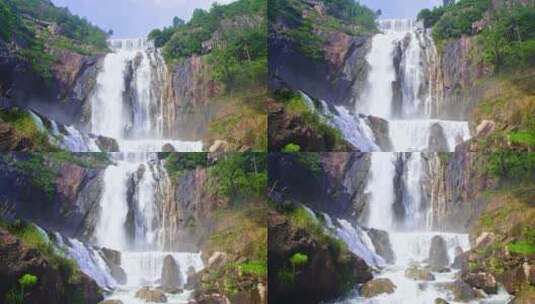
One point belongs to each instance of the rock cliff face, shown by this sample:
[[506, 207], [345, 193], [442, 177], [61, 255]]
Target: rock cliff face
[[52, 283], [327, 274], [453, 186], [70, 206], [338, 79], [189, 98], [62, 98], [335, 187]]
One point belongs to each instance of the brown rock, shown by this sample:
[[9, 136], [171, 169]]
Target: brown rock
[[419, 273], [107, 144], [171, 280], [151, 295], [438, 254], [111, 301], [481, 280], [376, 287]]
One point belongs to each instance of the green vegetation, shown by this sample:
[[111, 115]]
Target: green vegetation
[[40, 27], [240, 232], [32, 237], [298, 260], [512, 165], [26, 129], [311, 161], [41, 175], [176, 163], [308, 26], [16, 294], [291, 148], [509, 41], [294, 104], [239, 175]]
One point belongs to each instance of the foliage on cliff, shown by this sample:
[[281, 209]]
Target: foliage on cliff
[[234, 35], [69, 278], [241, 233], [308, 23], [293, 123], [37, 28]]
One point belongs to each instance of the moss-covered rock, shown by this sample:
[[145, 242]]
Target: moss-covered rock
[[377, 287]]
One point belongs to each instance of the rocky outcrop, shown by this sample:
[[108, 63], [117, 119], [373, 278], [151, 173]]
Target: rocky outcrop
[[190, 95], [53, 285], [336, 187], [151, 295], [171, 279], [481, 280], [285, 128], [339, 79], [382, 245], [10, 141], [319, 279], [70, 206], [107, 144], [377, 287], [438, 254], [437, 139], [419, 273], [62, 98], [461, 291], [113, 261]]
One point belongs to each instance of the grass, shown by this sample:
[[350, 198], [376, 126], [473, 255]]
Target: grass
[[521, 247], [26, 128]]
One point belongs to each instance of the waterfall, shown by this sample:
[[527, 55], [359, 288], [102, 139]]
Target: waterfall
[[132, 220], [397, 178], [404, 88], [127, 103], [380, 187]]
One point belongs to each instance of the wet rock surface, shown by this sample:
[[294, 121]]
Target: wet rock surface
[[382, 245], [151, 295], [171, 279], [52, 284], [481, 280], [438, 254], [419, 273], [376, 287], [317, 280]]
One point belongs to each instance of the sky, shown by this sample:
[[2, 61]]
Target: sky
[[400, 8], [136, 18]]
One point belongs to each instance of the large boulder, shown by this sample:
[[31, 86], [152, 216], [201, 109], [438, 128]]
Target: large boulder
[[111, 301], [481, 280], [461, 291], [171, 279], [418, 273], [107, 144], [151, 295], [381, 242], [437, 139], [376, 287], [461, 259], [438, 254], [113, 260]]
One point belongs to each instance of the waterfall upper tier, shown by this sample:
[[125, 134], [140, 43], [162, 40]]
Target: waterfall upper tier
[[130, 44]]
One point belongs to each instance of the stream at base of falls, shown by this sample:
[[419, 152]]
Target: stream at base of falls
[[410, 235]]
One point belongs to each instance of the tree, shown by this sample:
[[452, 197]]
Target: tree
[[110, 32], [177, 22]]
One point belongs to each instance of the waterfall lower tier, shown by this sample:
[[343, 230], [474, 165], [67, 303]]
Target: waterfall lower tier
[[427, 135]]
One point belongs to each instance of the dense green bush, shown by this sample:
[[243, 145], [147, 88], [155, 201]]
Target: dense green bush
[[509, 41], [457, 19], [176, 163], [512, 165], [430, 17], [239, 175]]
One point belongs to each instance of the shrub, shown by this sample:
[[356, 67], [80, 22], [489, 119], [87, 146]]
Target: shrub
[[291, 148]]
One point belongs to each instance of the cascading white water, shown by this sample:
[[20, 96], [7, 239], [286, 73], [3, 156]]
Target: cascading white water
[[380, 187], [133, 115], [404, 87], [131, 190], [408, 247]]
